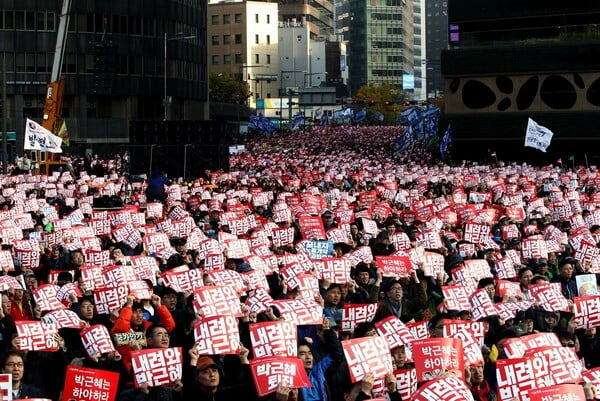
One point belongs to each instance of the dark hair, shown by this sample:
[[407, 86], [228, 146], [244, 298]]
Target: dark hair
[[361, 329], [435, 319], [485, 282], [150, 330], [137, 305], [523, 269], [12, 352]]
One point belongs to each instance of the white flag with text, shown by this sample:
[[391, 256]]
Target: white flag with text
[[39, 138], [537, 137]]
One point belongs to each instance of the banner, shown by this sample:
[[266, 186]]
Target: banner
[[516, 376], [36, 335], [269, 372], [217, 300], [39, 138], [436, 356], [444, 389], [157, 367], [571, 392], [217, 335], [96, 339], [353, 314], [367, 355], [87, 384], [273, 339]]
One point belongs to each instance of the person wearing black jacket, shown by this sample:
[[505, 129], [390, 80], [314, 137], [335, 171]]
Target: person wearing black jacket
[[8, 330], [13, 362], [202, 379]]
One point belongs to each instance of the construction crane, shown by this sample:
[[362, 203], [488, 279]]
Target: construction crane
[[53, 103]]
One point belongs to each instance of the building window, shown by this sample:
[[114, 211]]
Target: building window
[[268, 18], [256, 18], [20, 20], [215, 39], [237, 18], [226, 39], [214, 19], [257, 58], [238, 58], [238, 38], [256, 40], [226, 19], [268, 59], [215, 60], [227, 59], [268, 39]]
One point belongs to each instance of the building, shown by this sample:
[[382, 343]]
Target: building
[[511, 60], [420, 38], [316, 16], [114, 64], [380, 41], [243, 41], [436, 26]]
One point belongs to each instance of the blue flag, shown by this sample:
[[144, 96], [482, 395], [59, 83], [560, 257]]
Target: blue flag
[[260, 123], [446, 140], [360, 115], [404, 141], [298, 120]]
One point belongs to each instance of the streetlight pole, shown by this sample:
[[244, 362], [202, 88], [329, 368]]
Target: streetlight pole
[[243, 79], [243, 76], [282, 90], [178, 36]]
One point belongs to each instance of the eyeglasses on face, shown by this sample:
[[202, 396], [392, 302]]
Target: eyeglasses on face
[[11, 365]]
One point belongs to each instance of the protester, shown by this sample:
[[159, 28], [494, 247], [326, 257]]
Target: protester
[[13, 363], [384, 236]]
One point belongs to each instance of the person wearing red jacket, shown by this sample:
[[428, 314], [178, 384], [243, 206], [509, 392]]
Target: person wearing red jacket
[[21, 308], [129, 331]]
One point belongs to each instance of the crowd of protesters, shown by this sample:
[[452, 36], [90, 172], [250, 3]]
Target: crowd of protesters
[[361, 198]]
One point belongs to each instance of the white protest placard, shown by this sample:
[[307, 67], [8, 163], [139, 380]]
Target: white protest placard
[[217, 335]]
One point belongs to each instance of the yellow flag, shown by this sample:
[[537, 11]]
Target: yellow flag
[[64, 133]]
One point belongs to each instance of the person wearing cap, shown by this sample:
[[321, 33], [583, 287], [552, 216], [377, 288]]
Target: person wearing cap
[[31, 282], [203, 381], [366, 289]]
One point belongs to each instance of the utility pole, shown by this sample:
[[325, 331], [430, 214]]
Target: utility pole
[[4, 117], [290, 104]]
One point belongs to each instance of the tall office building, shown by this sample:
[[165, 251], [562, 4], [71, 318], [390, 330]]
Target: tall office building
[[436, 22], [420, 41], [114, 64], [380, 41], [511, 60]]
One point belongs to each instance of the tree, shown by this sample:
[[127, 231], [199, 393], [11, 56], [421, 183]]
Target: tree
[[385, 98], [226, 88]]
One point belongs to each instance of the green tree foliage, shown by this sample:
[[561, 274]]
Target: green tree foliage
[[385, 98], [226, 88]]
